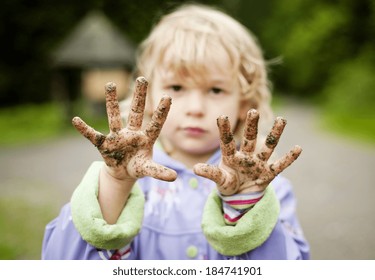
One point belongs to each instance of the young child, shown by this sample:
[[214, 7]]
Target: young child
[[191, 183]]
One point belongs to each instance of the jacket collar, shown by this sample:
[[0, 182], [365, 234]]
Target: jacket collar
[[161, 157]]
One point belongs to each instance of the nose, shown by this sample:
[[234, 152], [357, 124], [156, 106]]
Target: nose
[[195, 105]]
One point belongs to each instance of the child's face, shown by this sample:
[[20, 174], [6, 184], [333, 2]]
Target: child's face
[[191, 129]]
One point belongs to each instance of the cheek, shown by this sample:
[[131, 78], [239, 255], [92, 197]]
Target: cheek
[[172, 121], [232, 110], [154, 96], [174, 112]]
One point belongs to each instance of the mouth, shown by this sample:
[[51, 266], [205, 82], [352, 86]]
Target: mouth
[[194, 131]]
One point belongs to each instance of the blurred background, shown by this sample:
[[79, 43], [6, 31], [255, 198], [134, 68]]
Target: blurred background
[[57, 55]]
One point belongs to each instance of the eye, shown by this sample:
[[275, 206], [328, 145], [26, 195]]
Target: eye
[[176, 87], [216, 90]]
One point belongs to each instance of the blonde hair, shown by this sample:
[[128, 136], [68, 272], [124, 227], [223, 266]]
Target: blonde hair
[[195, 35]]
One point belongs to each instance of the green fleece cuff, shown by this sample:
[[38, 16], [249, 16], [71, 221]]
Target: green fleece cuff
[[88, 218], [251, 231]]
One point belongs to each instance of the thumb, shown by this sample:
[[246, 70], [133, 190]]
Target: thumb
[[226, 184], [157, 171], [211, 172]]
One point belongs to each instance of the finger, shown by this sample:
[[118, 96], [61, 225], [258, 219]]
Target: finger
[[250, 132], [272, 139], [158, 118], [211, 172], [227, 143], [138, 104], [94, 136], [113, 109], [157, 171], [286, 160]]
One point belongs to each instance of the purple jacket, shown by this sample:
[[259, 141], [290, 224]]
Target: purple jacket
[[171, 227]]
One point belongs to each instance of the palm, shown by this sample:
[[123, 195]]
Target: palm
[[128, 150], [244, 170]]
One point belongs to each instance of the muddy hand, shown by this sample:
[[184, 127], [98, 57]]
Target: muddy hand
[[128, 151], [245, 170]]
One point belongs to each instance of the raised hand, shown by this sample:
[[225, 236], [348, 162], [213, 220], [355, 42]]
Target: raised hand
[[128, 151], [245, 170]]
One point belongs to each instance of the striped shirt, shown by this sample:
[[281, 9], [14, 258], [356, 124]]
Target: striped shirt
[[235, 206]]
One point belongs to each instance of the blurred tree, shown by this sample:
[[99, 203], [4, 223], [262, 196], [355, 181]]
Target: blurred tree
[[314, 38], [351, 89]]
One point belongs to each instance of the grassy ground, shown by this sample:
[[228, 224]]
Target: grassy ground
[[33, 123], [353, 125], [361, 129], [21, 229], [30, 123]]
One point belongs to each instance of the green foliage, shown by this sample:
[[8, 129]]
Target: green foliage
[[313, 38], [328, 54], [351, 89], [303, 47], [350, 98]]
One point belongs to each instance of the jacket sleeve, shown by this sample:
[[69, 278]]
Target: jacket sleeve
[[270, 230], [80, 232], [297, 246]]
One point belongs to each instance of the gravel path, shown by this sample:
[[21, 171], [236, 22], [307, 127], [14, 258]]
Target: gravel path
[[332, 179]]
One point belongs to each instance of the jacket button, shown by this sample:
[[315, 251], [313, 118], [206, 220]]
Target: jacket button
[[193, 183], [192, 251]]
